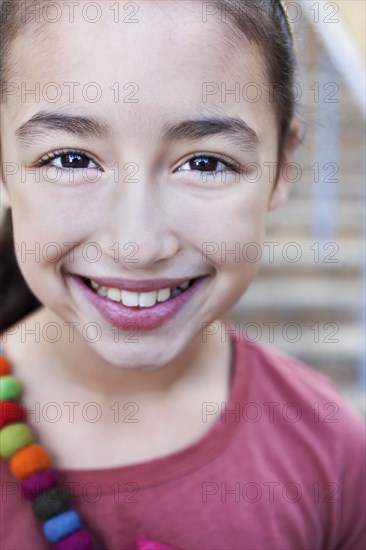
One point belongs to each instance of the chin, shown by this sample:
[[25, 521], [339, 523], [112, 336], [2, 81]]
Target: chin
[[138, 360]]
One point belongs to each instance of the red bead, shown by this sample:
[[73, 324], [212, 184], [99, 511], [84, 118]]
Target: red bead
[[11, 412], [5, 367]]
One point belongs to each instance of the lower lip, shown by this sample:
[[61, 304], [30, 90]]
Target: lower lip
[[142, 318]]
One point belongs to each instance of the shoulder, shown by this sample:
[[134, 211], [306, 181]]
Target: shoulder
[[291, 377], [288, 370], [302, 397], [313, 432]]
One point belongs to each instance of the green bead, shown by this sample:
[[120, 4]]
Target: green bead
[[14, 437], [10, 389]]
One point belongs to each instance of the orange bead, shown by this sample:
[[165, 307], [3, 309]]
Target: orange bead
[[5, 367], [28, 460]]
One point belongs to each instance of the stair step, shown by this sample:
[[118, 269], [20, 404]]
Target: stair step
[[296, 215], [302, 256], [301, 294], [335, 342], [350, 184]]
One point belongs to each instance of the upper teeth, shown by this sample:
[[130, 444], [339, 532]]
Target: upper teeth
[[142, 299]]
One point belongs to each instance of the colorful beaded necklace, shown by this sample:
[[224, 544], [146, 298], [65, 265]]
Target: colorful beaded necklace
[[30, 463]]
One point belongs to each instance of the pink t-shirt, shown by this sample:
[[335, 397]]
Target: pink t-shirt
[[282, 468]]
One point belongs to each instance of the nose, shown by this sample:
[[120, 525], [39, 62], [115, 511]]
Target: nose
[[139, 230]]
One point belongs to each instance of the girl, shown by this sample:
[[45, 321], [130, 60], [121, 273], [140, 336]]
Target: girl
[[131, 412]]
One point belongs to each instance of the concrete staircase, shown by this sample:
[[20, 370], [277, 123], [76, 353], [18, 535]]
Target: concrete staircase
[[317, 301]]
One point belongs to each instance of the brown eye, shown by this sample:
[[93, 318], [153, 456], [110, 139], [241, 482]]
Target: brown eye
[[208, 164], [68, 160], [213, 164], [74, 160]]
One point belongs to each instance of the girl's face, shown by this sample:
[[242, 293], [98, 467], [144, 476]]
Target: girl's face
[[168, 115]]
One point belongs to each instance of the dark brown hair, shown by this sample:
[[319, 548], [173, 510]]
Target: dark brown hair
[[261, 22]]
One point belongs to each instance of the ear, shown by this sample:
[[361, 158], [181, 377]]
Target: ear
[[282, 187]]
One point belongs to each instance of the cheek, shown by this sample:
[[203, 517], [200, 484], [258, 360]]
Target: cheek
[[229, 228], [229, 232], [42, 233], [48, 217]]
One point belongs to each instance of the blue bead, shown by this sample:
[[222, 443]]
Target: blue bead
[[61, 525]]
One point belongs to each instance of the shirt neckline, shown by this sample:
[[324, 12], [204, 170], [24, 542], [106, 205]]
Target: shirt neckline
[[178, 463]]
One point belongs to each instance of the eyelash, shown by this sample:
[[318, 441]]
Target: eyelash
[[231, 165], [46, 159]]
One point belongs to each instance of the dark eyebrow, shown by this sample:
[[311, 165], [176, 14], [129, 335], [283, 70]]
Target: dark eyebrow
[[40, 123], [236, 130]]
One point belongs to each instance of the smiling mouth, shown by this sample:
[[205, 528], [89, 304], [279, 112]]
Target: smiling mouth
[[139, 300]]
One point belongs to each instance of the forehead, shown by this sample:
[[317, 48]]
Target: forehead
[[163, 58]]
